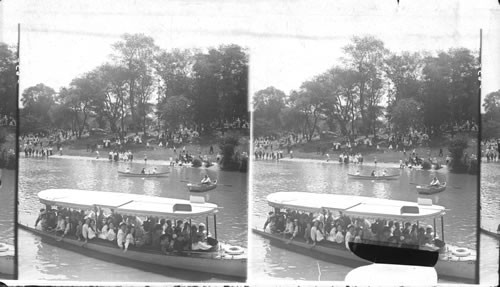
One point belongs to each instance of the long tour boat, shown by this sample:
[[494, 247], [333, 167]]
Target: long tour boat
[[223, 259], [450, 261]]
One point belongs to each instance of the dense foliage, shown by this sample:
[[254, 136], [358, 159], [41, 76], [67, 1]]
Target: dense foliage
[[142, 86], [373, 88], [490, 128]]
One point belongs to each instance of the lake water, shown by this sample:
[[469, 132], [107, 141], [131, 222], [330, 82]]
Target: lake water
[[7, 199], [270, 262], [38, 260], [490, 217]]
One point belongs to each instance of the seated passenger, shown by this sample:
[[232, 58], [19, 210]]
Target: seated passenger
[[129, 238], [359, 235], [429, 234], [164, 243], [155, 236], [61, 225], [320, 237], [78, 231], [373, 173], [202, 233], [104, 232], [111, 234], [307, 233], [196, 243], [92, 230], [435, 182], [68, 228], [384, 173], [121, 236], [331, 234], [206, 180], [349, 236], [85, 229], [271, 221], [289, 228], [143, 171], [339, 237], [139, 236]]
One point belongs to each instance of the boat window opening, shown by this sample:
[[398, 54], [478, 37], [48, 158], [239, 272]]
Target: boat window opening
[[128, 231], [330, 228], [182, 207], [410, 209]]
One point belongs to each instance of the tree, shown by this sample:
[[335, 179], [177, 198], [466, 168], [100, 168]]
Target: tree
[[406, 114], [174, 68], [8, 80], [366, 56], [176, 111], [37, 102], [136, 54], [268, 104], [490, 127], [404, 73]]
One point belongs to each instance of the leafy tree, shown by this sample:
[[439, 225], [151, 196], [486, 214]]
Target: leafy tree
[[136, 54], [405, 114], [268, 104], [366, 56], [37, 102], [8, 80], [176, 111]]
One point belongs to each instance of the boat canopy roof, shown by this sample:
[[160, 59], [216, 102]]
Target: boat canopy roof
[[126, 203], [356, 206]]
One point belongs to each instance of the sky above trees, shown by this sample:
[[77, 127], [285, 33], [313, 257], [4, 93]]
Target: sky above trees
[[289, 41]]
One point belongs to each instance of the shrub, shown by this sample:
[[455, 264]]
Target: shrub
[[426, 165], [196, 162], [457, 148]]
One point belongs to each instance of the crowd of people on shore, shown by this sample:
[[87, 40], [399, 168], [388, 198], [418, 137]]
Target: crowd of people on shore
[[491, 150], [7, 120], [127, 232], [324, 229]]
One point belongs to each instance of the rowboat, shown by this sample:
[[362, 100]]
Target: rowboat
[[431, 189], [490, 227], [199, 187], [7, 254], [226, 260], [376, 177], [142, 175], [452, 262]]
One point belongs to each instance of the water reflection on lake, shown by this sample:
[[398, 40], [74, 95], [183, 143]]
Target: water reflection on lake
[[7, 203], [460, 198], [43, 261]]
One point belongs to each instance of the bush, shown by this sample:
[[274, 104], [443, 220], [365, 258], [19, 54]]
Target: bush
[[426, 165], [457, 147], [473, 167], [196, 162]]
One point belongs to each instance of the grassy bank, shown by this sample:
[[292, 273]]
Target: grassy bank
[[310, 150], [201, 145]]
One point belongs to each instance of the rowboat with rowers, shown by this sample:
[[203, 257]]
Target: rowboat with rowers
[[373, 177], [431, 189], [201, 187], [142, 175], [449, 261], [223, 259]]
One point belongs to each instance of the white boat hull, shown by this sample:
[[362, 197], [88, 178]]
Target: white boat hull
[[7, 261], [462, 268], [208, 262]]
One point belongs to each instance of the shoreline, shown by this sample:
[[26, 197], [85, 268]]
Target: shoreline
[[102, 159], [392, 165]]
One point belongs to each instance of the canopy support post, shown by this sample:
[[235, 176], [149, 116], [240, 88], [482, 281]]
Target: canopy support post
[[434, 227], [190, 236], [215, 225], [442, 228], [206, 218]]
